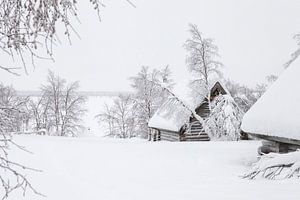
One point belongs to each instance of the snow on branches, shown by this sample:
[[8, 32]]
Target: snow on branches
[[276, 166], [29, 25], [224, 121]]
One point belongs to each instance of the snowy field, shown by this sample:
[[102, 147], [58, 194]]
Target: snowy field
[[94, 168], [94, 106]]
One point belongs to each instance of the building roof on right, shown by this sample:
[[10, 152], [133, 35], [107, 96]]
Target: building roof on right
[[277, 112]]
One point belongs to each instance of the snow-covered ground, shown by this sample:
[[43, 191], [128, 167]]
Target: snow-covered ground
[[113, 169]]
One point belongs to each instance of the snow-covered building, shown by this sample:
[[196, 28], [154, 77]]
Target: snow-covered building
[[275, 117], [174, 122]]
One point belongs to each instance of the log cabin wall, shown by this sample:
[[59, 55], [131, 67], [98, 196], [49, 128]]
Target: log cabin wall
[[169, 135]]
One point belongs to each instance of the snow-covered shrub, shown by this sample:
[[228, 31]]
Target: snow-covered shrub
[[276, 166], [224, 121]]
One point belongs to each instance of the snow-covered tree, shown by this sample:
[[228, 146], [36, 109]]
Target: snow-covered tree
[[148, 95], [224, 121], [202, 61]]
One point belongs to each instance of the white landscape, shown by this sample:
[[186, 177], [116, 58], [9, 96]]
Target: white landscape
[[112, 169], [149, 100]]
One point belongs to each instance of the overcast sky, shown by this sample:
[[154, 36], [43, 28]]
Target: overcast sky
[[254, 39]]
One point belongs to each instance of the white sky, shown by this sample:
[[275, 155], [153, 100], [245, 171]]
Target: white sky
[[254, 38]]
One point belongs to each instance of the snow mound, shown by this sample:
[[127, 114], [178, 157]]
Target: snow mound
[[277, 112]]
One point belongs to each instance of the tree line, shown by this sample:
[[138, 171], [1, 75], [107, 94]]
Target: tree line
[[57, 111], [129, 115]]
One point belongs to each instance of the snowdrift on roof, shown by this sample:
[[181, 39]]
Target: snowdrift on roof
[[277, 112], [170, 116]]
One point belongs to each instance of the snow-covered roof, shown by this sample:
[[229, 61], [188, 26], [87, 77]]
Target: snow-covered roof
[[277, 112], [172, 115]]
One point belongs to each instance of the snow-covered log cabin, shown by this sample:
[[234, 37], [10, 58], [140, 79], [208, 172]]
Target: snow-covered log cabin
[[275, 117], [173, 122]]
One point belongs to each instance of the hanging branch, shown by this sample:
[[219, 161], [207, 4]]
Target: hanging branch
[[26, 26]]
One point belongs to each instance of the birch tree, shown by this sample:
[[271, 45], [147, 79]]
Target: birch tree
[[202, 61]]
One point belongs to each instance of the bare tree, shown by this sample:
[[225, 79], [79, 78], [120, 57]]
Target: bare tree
[[72, 111], [53, 92], [202, 62], [39, 113], [107, 118]]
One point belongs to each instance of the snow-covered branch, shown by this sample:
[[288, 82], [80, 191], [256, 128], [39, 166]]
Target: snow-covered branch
[[276, 166]]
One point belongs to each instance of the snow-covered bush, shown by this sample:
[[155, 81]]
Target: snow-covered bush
[[224, 121], [276, 166]]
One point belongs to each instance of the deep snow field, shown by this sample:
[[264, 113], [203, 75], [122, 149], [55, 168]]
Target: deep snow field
[[93, 168]]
